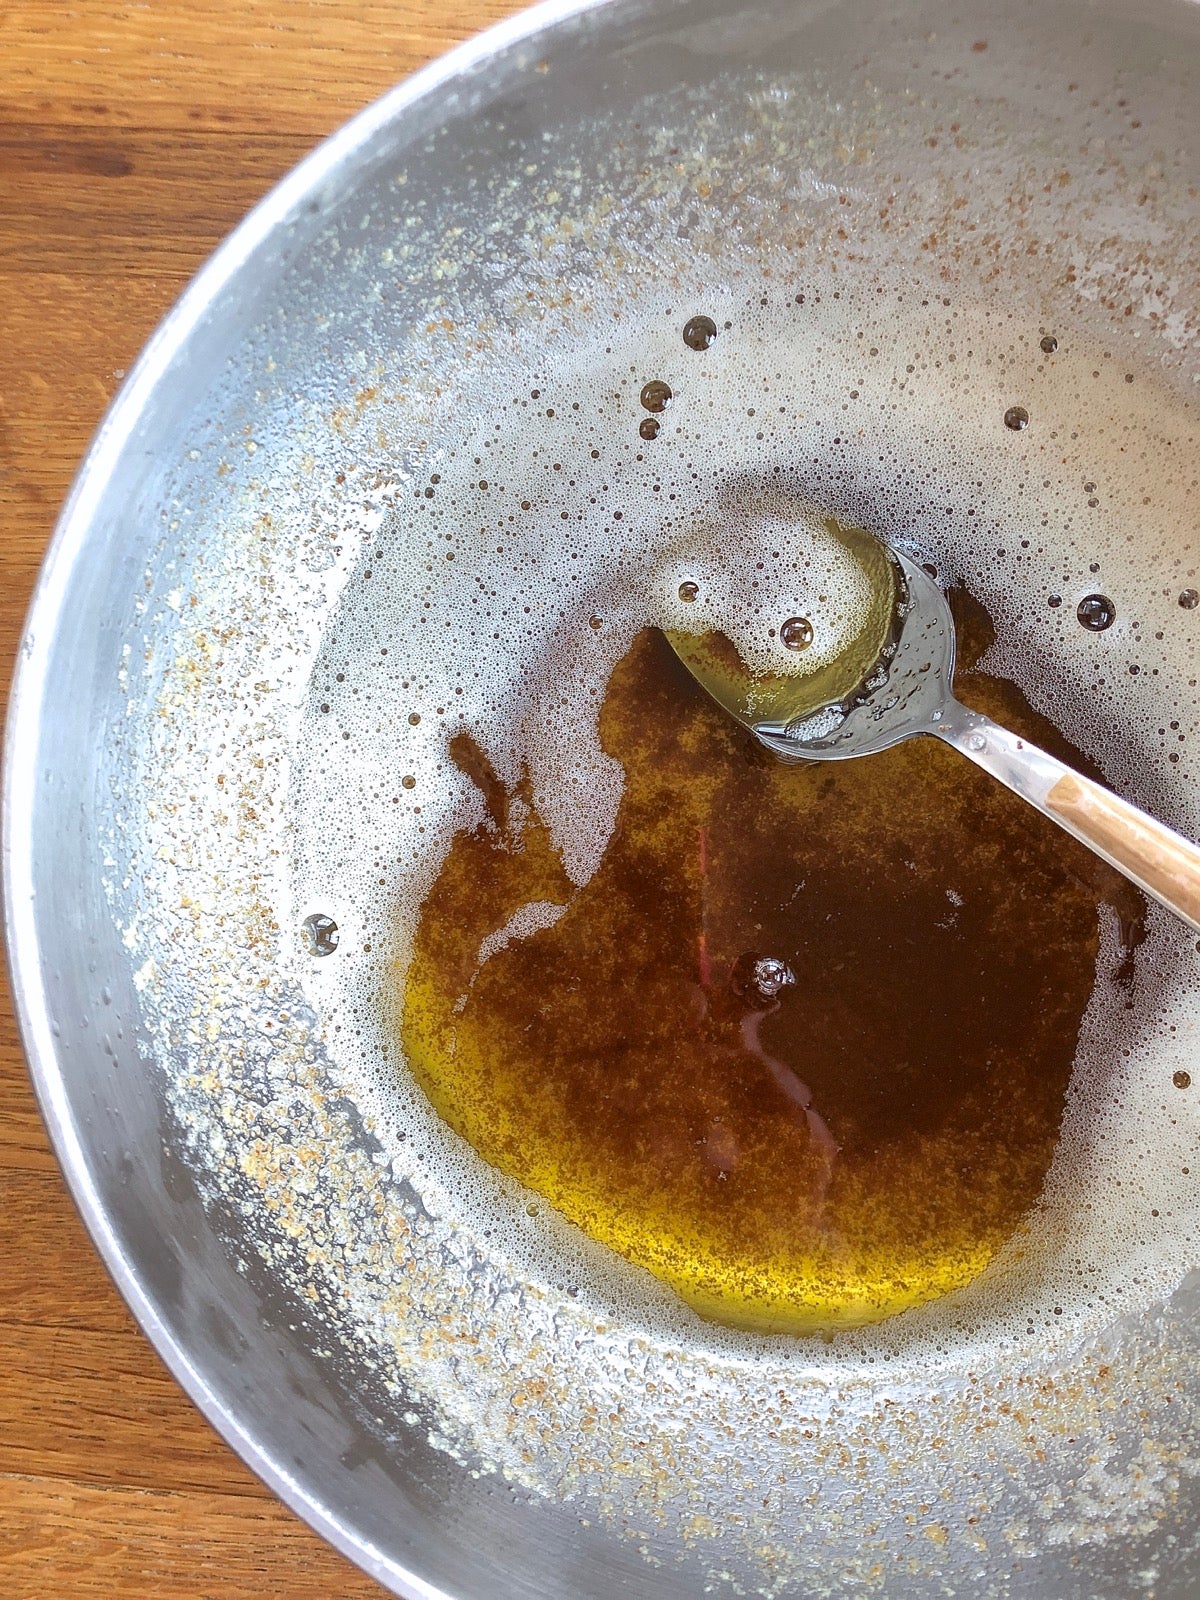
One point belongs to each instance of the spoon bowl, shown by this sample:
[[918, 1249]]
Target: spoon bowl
[[908, 691]]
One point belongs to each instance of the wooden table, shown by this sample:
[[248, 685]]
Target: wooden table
[[132, 138]]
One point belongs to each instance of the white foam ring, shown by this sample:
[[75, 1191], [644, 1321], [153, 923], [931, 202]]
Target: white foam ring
[[480, 531]]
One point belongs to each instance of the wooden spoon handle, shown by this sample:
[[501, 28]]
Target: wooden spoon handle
[[1155, 857], [1162, 861]]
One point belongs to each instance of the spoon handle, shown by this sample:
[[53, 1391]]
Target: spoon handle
[[1159, 860]]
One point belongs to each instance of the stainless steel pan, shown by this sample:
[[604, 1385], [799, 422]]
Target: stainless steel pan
[[464, 1397]]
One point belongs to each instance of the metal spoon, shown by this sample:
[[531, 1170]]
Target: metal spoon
[[909, 692]]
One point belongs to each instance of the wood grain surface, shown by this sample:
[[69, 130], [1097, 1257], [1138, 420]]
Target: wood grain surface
[[132, 138]]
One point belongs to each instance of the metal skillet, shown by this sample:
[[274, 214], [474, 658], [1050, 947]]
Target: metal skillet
[[1070, 1480]]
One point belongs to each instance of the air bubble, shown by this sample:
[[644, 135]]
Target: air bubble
[[320, 934], [796, 633], [1189, 599], [689, 592], [1096, 612], [1049, 344], [648, 427], [1182, 1080], [699, 332], [656, 395], [761, 979], [1016, 418]]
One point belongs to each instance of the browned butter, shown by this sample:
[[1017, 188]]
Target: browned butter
[[800, 1047]]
